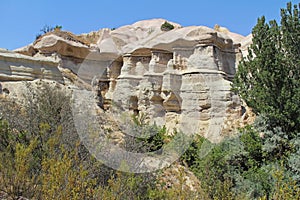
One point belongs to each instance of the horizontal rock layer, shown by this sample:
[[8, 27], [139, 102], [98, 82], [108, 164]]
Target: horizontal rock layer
[[17, 67]]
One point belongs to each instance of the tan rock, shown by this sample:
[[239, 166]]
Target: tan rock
[[18, 67], [179, 78], [27, 50], [190, 81], [52, 43]]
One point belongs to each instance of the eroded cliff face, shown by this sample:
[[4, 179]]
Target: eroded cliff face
[[180, 78], [18, 67]]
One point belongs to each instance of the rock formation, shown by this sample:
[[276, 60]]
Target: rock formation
[[18, 67], [179, 78]]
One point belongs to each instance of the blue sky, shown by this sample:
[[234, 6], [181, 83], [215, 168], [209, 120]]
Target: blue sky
[[22, 20]]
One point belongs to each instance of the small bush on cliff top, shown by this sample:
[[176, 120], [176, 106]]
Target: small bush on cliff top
[[166, 26], [47, 29]]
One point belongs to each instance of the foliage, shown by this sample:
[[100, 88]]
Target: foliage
[[147, 137], [47, 29], [166, 26], [244, 167], [240, 167], [41, 156], [16, 178], [40, 151], [123, 186], [191, 154], [43, 104], [63, 176], [177, 190], [268, 79], [275, 143], [293, 161], [211, 170], [232, 169], [58, 174], [285, 187]]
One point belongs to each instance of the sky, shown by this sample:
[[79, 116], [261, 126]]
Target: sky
[[22, 20]]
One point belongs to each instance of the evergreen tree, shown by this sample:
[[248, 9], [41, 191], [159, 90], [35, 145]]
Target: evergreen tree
[[268, 79]]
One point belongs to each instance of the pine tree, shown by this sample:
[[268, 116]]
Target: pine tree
[[269, 78]]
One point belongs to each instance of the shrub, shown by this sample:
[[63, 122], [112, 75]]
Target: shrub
[[123, 185], [47, 29], [177, 190], [166, 26], [16, 172], [285, 186], [191, 155], [43, 133], [63, 175], [56, 174], [234, 168], [146, 138]]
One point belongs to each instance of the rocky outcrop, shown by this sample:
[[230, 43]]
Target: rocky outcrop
[[17, 67], [185, 85], [179, 78]]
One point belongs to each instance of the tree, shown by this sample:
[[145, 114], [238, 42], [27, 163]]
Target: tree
[[269, 78]]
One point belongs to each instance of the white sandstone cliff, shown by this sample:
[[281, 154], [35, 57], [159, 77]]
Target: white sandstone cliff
[[179, 78]]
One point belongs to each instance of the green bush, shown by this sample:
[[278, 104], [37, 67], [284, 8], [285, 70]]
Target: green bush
[[147, 137], [166, 26], [41, 156], [56, 172], [178, 189], [42, 133], [125, 186], [47, 29], [285, 186], [232, 169]]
